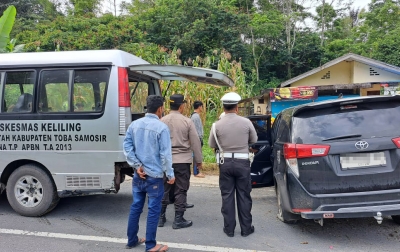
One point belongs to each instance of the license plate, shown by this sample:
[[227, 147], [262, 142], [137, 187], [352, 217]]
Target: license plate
[[361, 160]]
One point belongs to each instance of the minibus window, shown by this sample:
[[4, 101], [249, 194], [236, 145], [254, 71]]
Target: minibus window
[[18, 92], [54, 91], [88, 90]]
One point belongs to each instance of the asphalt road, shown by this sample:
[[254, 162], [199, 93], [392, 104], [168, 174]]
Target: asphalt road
[[98, 223]]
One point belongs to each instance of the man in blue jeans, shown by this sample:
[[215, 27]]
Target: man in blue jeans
[[147, 148]]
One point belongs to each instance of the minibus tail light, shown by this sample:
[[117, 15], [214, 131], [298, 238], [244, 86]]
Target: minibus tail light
[[123, 88], [124, 101]]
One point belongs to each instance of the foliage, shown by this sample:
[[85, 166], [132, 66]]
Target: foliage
[[82, 7], [197, 27], [6, 24], [81, 33]]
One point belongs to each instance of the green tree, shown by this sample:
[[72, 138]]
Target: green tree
[[197, 27], [82, 33], [82, 7], [325, 17]]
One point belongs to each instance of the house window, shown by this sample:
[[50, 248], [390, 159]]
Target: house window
[[260, 101]]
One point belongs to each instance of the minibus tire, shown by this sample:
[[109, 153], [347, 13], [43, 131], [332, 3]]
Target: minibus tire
[[34, 182]]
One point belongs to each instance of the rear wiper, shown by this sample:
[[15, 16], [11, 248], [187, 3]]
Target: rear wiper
[[341, 137]]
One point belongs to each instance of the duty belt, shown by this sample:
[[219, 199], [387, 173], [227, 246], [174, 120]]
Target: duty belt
[[234, 155]]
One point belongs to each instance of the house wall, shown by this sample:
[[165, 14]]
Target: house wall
[[375, 87], [364, 73], [263, 106], [340, 73]]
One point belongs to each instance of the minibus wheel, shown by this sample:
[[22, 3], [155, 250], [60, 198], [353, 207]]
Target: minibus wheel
[[31, 191]]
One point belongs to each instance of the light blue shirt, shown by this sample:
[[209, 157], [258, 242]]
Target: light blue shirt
[[148, 144]]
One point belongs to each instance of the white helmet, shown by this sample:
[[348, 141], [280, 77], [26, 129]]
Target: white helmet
[[231, 98]]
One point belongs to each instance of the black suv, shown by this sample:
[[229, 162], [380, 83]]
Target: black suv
[[337, 159]]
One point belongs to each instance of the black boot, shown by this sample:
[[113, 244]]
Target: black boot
[[162, 218], [180, 222]]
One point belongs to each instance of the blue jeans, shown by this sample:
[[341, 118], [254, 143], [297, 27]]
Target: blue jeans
[[154, 188]]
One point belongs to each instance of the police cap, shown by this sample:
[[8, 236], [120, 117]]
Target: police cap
[[177, 99], [231, 98]]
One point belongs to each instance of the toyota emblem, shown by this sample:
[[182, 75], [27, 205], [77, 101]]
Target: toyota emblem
[[361, 145]]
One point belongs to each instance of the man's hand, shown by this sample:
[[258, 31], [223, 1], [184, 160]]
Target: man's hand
[[199, 165], [141, 172], [253, 150], [171, 181]]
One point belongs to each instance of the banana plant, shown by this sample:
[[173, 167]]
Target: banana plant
[[6, 24]]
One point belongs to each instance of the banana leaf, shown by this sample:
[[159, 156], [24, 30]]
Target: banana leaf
[[6, 24]]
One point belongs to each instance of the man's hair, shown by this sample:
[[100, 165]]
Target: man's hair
[[229, 107], [174, 106], [153, 103], [197, 104]]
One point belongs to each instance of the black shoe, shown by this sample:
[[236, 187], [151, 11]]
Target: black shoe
[[189, 205], [248, 233], [229, 234], [180, 222]]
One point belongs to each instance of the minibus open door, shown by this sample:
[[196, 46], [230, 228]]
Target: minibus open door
[[184, 73]]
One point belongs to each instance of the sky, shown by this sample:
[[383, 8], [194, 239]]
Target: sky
[[361, 3]]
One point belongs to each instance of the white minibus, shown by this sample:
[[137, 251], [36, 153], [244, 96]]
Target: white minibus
[[63, 119]]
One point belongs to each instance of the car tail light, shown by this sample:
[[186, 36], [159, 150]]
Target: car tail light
[[304, 150], [124, 101], [292, 152], [396, 141], [123, 88]]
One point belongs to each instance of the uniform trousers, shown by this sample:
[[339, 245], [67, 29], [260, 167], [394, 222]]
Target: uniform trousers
[[180, 187], [235, 179]]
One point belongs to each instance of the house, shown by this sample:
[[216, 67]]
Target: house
[[346, 76]]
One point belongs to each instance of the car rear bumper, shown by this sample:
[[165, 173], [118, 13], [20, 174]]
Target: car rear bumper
[[354, 212], [341, 205]]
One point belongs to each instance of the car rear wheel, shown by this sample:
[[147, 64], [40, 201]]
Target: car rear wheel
[[396, 218], [284, 215], [31, 192]]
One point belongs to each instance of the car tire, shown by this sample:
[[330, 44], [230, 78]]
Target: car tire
[[284, 215], [31, 191], [396, 218]]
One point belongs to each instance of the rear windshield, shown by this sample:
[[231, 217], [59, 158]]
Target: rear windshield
[[372, 119]]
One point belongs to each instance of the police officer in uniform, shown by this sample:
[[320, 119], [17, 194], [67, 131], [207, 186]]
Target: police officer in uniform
[[232, 135], [184, 141]]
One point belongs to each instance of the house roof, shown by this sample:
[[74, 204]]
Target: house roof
[[347, 57]]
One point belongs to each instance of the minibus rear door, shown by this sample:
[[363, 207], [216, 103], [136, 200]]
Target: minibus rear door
[[184, 73]]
